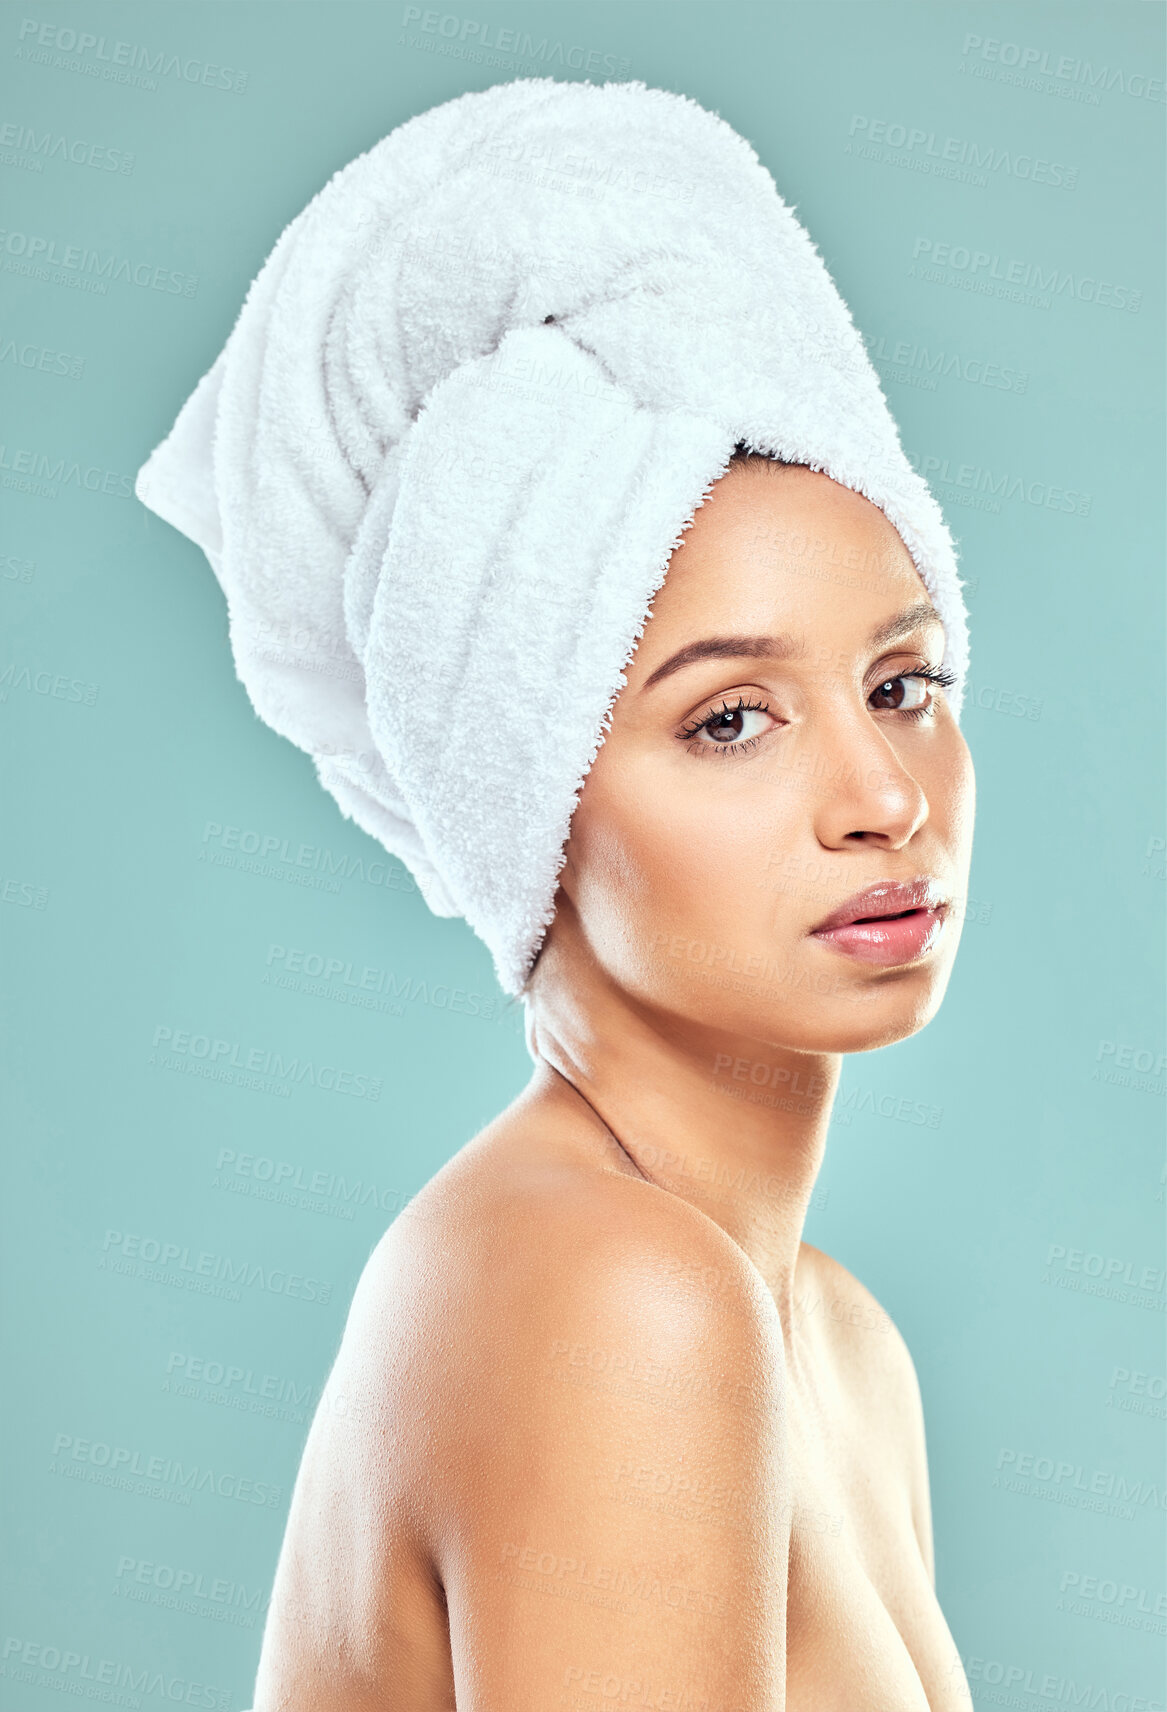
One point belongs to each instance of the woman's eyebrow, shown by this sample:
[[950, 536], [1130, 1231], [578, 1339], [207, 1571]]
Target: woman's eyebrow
[[727, 648], [911, 618], [784, 647]]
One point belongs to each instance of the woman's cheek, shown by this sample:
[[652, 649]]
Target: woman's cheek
[[661, 852], [695, 856], [644, 861], [951, 794]]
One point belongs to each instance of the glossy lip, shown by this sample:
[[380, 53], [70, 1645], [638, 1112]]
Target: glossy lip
[[890, 923]]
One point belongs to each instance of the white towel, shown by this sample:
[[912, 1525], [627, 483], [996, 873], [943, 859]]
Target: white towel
[[472, 400]]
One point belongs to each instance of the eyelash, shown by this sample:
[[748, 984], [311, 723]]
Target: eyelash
[[930, 674], [740, 748]]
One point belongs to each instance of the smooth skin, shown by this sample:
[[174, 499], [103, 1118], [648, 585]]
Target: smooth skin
[[603, 1431]]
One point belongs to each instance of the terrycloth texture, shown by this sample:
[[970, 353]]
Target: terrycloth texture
[[471, 402]]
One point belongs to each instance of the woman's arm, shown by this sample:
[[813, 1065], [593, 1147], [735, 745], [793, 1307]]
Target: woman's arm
[[617, 1509], [569, 1446]]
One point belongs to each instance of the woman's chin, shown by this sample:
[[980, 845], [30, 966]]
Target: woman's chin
[[851, 1016], [881, 1017]]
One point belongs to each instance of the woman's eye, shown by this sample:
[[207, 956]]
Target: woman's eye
[[733, 725], [907, 694]]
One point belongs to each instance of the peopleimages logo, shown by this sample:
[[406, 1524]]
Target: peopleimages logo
[[154, 1255], [931, 364], [986, 269], [960, 151], [339, 978], [998, 484], [1122, 1596], [38, 254], [1138, 1393], [223, 1060], [470, 34], [55, 684], [47, 472], [114, 1465], [1053, 1686], [118, 61], [50, 145], [70, 1669], [1109, 1268], [273, 855], [901, 1108], [244, 1381], [190, 1587], [281, 1180], [44, 358], [1073, 1477], [1123, 1065], [1040, 62]]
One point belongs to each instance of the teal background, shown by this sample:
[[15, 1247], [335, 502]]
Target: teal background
[[984, 1236]]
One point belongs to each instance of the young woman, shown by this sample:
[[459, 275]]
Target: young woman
[[603, 1432]]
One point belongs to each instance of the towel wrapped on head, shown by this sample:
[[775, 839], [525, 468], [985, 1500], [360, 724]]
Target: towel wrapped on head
[[471, 402]]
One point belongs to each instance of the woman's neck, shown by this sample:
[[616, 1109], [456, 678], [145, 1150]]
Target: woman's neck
[[735, 1126]]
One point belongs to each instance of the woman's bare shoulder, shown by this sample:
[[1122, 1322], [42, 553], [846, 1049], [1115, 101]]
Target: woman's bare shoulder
[[521, 1266], [512, 1230]]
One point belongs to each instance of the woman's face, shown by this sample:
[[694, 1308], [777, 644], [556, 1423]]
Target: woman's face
[[775, 752]]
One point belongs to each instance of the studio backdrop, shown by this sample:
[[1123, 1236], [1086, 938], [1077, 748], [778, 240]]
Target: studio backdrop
[[236, 1042]]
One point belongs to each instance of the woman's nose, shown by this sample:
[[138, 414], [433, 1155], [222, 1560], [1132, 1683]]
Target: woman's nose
[[866, 795]]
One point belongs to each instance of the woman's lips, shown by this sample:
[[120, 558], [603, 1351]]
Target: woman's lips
[[887, 924]]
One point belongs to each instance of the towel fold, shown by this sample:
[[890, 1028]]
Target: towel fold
[[471, 401]]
